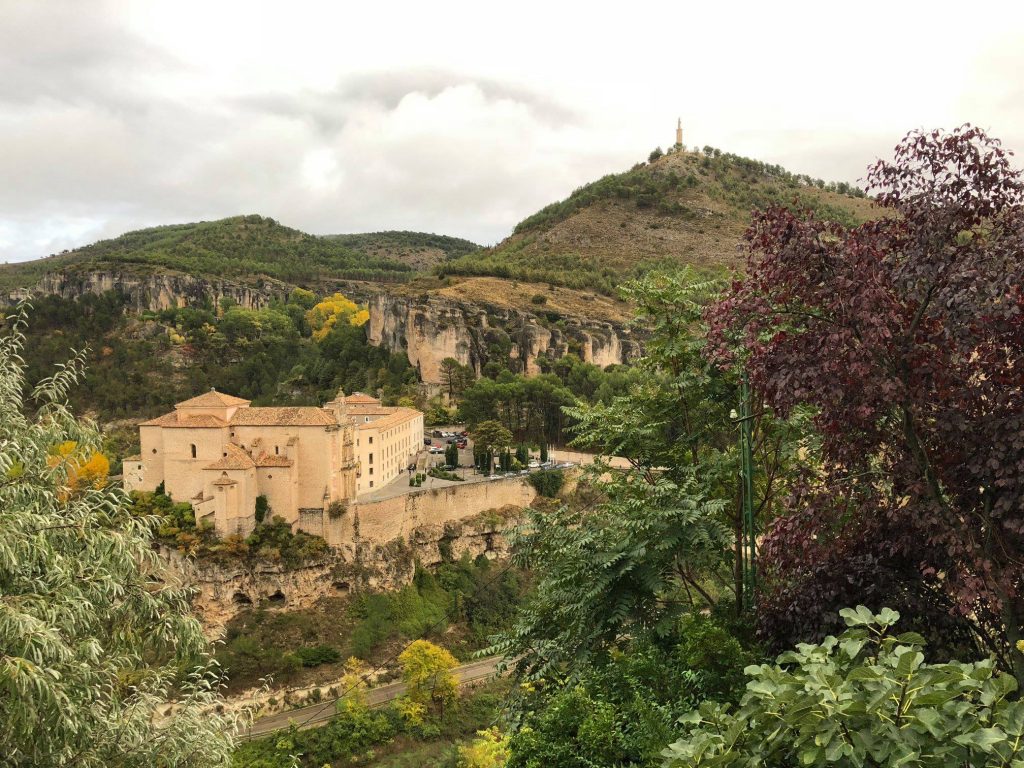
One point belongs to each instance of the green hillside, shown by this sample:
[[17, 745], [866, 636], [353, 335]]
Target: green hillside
[[239, 247], [419, 250], [680, 208]]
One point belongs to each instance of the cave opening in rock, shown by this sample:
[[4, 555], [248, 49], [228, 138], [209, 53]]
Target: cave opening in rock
[[240, 598]]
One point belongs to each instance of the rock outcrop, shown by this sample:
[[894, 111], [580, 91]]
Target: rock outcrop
[[222, 590], [157, 290], [431, 328]]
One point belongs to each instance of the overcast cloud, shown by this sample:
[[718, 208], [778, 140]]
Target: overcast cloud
[[455, 118]]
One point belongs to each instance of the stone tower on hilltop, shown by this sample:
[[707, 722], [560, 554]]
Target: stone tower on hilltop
[[679, 133]]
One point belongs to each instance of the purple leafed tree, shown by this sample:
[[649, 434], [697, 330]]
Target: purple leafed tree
[[906, 337]]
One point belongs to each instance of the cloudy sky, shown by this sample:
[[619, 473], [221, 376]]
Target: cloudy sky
[[456, 118]]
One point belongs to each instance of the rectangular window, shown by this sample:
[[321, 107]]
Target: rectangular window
[[371, 471], [371, 483], [371, 441], [371, 458]]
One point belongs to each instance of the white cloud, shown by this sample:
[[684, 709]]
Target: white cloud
[[454, 117]]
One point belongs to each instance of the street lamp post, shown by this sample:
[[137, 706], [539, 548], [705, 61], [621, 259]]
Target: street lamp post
[[745, 419]]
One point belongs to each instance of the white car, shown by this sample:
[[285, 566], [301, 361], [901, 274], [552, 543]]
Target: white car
[[534, 465], [436, 449]]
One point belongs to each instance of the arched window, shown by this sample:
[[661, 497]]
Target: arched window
[[193, 446]]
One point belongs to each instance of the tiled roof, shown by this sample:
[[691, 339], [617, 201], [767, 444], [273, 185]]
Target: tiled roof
[[294, 416], [272, 460], [212, 399], [224, 481], [396, 417], [175, 419], [357, 398], [235, 458]]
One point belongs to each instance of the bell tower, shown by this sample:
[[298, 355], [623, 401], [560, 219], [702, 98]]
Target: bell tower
[[679, 133]]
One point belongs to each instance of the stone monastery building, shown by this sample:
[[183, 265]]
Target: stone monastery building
[[219, 454]]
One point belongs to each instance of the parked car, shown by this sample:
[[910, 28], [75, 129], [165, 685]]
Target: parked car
[[436, 449], [436, 433], [450, 441], [464, 433], [462, 442], [534, 464], [426, 441]]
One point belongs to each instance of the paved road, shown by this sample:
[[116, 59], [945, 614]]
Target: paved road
[[308, 717]]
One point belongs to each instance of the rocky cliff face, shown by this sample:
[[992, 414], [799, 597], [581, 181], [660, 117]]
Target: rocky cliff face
[[222, 591], [430, 328], [427, 328], [156, 291]]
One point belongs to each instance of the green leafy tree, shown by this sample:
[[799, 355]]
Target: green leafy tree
[[620, 568], [455, 377], [488, 437], [676, 421], [95, 646], [865, 698]]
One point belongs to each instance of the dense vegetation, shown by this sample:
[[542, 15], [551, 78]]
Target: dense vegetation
[[459, 604], [95, 644], [400, 242], [885, 424], [360, 736], [532, 408], [142, 365], [273, 541], [240, 248]]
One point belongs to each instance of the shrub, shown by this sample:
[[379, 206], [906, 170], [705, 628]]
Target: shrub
[[863, 698], [261, 508], [547, 482], [538, 298], [316, 655]]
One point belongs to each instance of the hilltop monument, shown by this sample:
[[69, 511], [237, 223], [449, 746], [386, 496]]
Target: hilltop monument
[[679, 133]]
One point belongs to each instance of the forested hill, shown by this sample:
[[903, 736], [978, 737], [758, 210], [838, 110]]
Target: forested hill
[[680, 208], [419, 250], [239, 247]]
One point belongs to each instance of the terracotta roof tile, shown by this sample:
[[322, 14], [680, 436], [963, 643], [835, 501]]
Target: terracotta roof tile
[[359, 397], [175, 419], [380, 410], [294, 416], [235, 458], [212, 399], [272, 460], [394, 418]]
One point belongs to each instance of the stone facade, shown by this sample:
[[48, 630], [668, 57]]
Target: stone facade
[[220, 454]]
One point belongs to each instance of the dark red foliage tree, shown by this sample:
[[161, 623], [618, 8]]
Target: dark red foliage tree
[[906, 336]]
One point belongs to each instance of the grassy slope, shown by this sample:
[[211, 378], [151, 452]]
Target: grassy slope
[[419, 250], [684, 208], [241, 247]]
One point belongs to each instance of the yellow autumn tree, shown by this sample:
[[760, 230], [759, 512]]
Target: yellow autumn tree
[[327, 313], [488, 750], [427, 673], [82, 470]]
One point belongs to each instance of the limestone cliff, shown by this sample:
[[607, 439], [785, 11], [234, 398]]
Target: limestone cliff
[[222, 590], [157, 290], [429, 328]]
